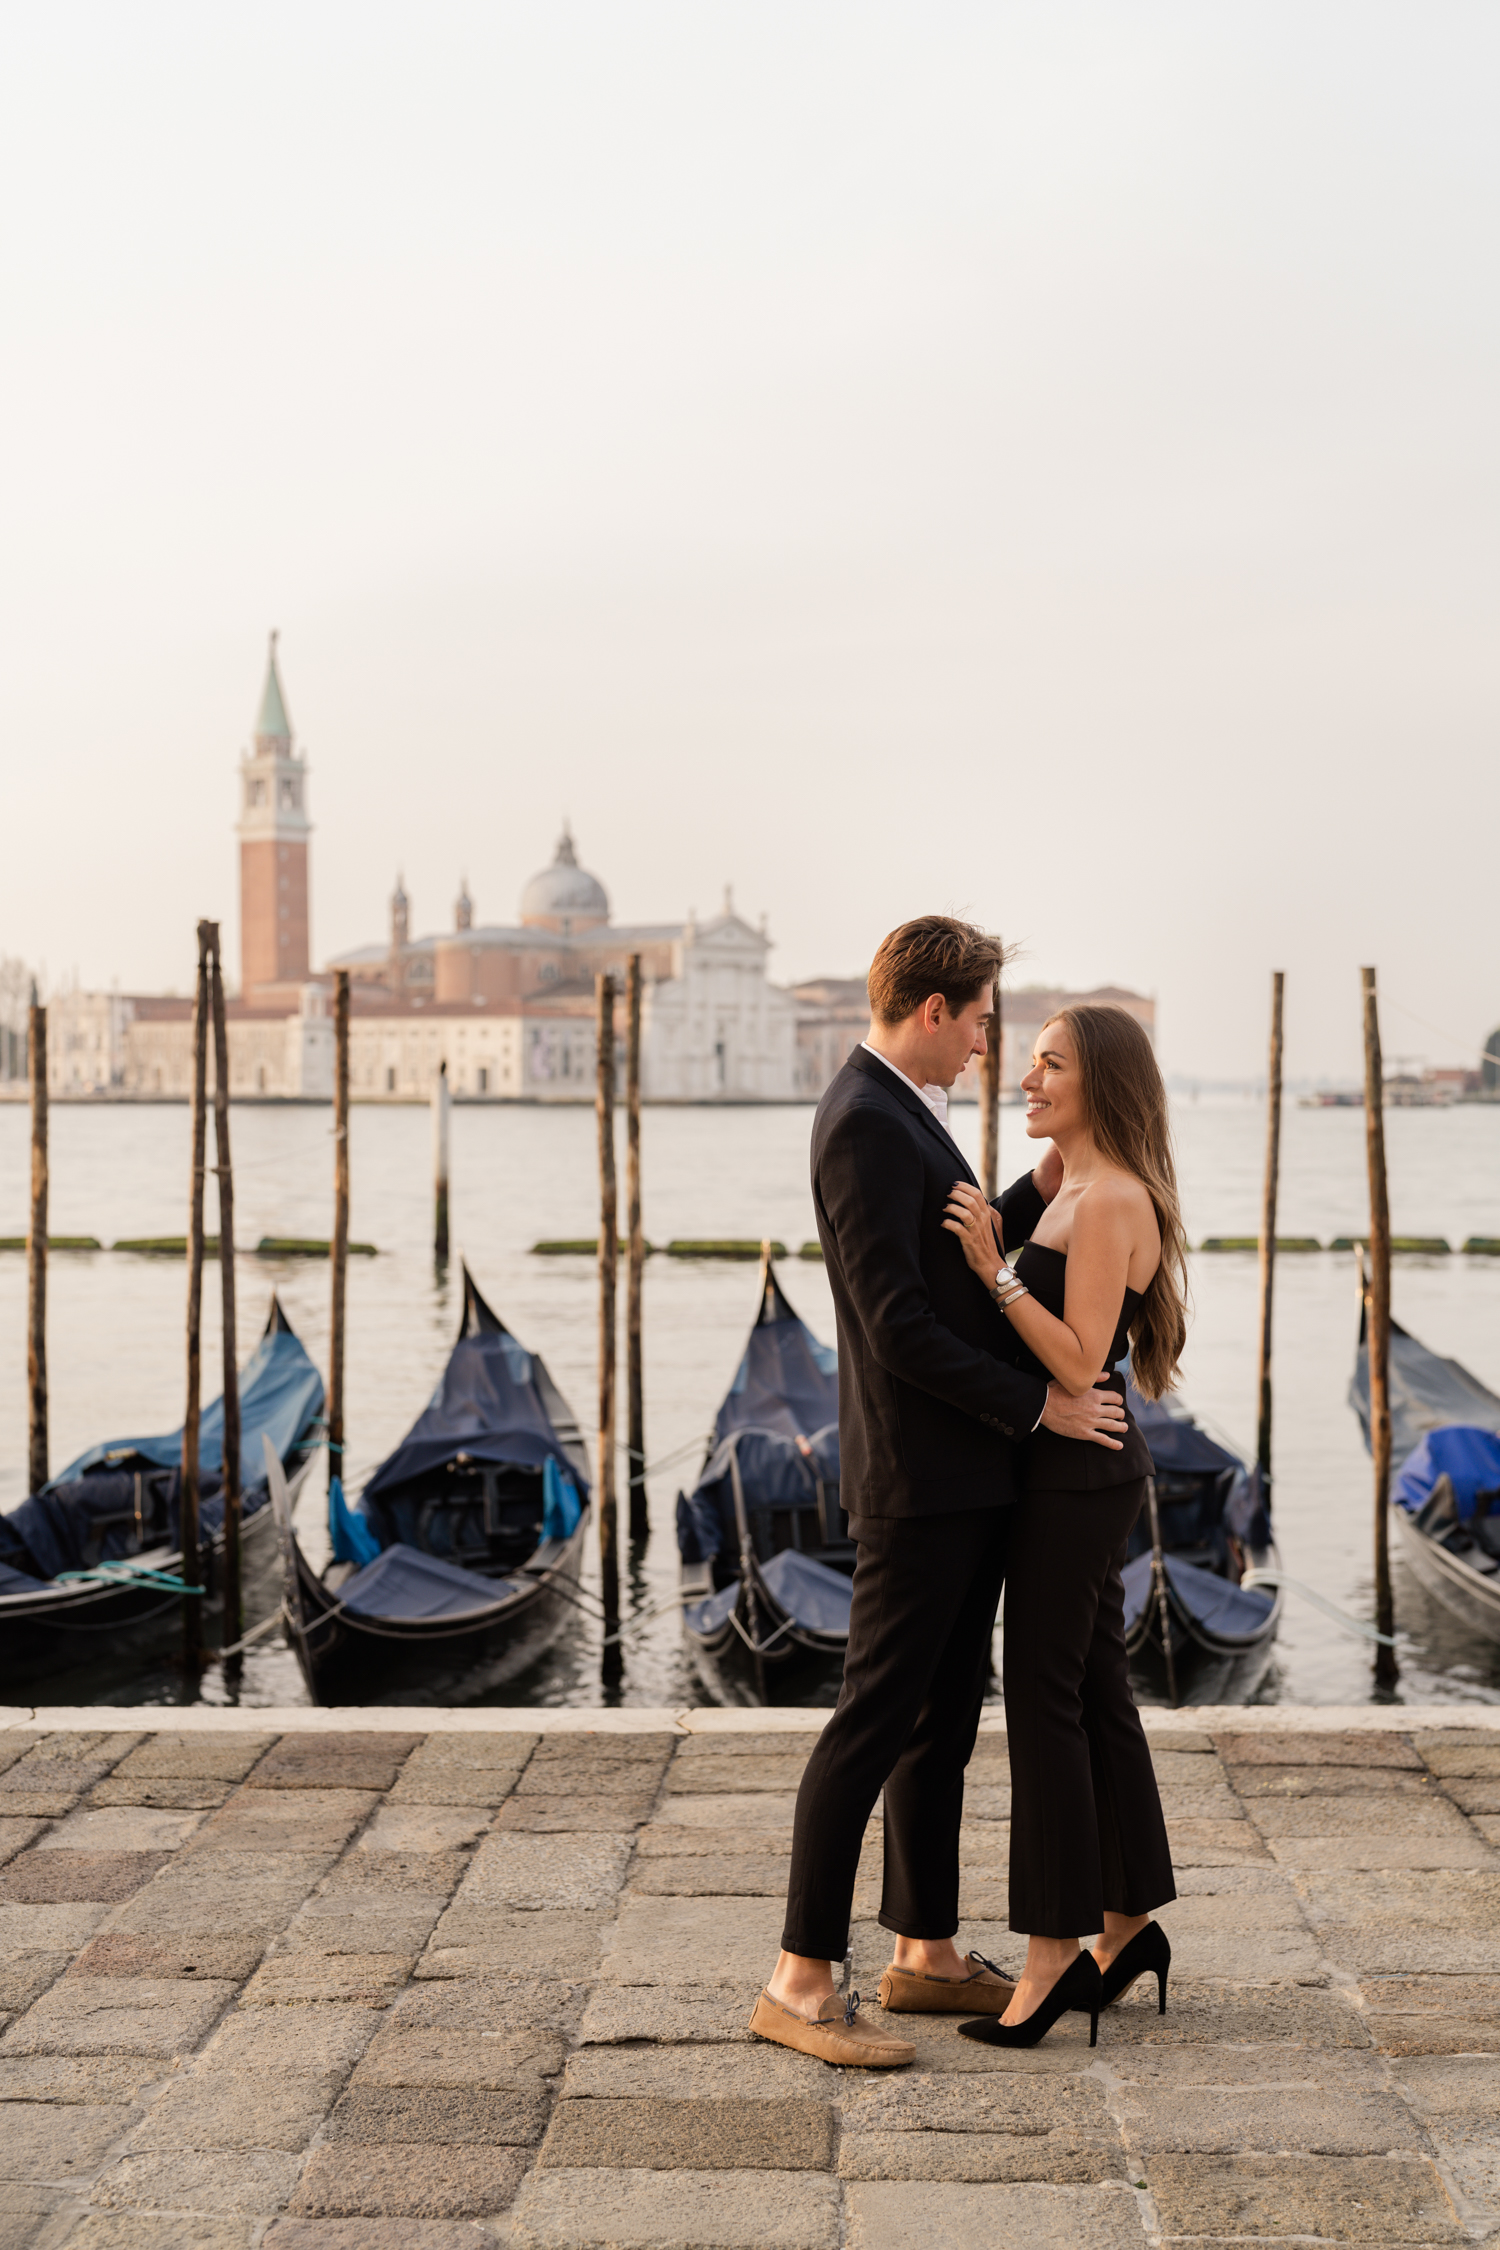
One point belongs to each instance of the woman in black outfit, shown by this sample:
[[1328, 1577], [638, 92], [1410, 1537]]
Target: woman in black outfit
[[1103, 1273]]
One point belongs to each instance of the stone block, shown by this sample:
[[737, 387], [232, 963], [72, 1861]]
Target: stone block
[[423, 1829], [398, 2184], [1443, 2089], [499, 1941], [346, 1759], [57, 2141], [194, 1757], [1474, 1760], [1373, 1852], [787, 2135], [46, 1878], [687, 2012], [1247, 1954], [123, 1953], [34, 1804], [294, 1979], [1218, 1803], [378, 2234], [957, 2215], [1277, 1907], [441, 2116], [695, 1940], [669, 1839], [121, 1828], [723, 1776], [131, 2230], [254, 1893], [79, 2078], [1378, 1814], [1176, 1769], [214, 2179], [987, 1802], [24, 1977], [1462, 1900], [169, 1796], [117, 2016], [1215, 1843], [546, 1871], [1208, 2014], [1487, 1825], [761, 2071], [345, 1925], [408, 2054], [486, 1786], [16, 1834], [1318, 1747], [499, 2003], [496, 1749], [589, 1748], [1372, 2199], [1329, 1781], [49, 1929], [290, 1820], [638, 2209], [553, 1816], [424, 1875], [14, 1745], [236, 2109], [1021, 2102], [694, 1748], [1475, 1796], [1392, 1949], [316, 2042], [1057, 2158], [773, 1809], [704, 1877], [1229, 2118]]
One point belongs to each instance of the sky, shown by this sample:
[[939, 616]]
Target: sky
[[1030, 461]]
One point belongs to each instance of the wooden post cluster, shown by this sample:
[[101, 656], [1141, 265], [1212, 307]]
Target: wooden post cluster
[[340, 1222], [609, 1257], [1378, 1329], [1268, 1235], [989, 1106], [440, 1113], [234, 1623], [635, 1408], [188, 1505], [36, 1255]]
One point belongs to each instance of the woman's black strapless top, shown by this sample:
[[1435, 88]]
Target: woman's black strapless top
[[1060, 1464]]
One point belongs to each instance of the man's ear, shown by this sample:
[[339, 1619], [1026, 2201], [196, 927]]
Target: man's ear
[[934, 1008]]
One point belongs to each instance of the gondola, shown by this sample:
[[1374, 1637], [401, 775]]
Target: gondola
[[460, 1564], [89, 1566], [1193, 1631], [766, 1557], [1445, 1455]]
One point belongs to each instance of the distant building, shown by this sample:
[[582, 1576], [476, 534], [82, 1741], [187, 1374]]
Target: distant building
[[274, 829]]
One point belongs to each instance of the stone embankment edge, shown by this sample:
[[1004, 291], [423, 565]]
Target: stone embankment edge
[[170, 1718]]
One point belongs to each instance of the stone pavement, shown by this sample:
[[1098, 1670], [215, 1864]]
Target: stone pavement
[[447, 1980]]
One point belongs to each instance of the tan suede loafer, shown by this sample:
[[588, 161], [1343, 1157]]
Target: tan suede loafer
[[983, 1992], [835, 2035]]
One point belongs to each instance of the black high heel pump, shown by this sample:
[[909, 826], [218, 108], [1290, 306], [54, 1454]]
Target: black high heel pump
[[1148, 1951], [1080, 1986]]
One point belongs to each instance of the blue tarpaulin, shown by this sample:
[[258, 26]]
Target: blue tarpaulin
[[1468, 1457], [349, 1532], [405, 1584], [488, 1407], [1228, 1611]]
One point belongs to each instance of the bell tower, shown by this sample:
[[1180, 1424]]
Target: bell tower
[[273, 831]]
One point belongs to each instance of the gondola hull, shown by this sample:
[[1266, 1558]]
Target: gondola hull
[[1463, 1592], [753, 1654], [90, 1637], [1210, 1664], [348, 1659]]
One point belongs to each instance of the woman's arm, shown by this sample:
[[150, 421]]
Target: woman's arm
[[1072, 1349]]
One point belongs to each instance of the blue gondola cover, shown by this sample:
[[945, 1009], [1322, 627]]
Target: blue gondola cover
[[1468, 1457], [405, 1585], [487, 1406]]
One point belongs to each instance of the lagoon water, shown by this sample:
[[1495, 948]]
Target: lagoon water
[[115, 1329]]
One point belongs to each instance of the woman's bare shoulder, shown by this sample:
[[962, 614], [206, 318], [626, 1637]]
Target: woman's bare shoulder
[[1115, 1197]]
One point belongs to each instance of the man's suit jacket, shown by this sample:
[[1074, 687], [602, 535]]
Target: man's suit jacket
[[928, 1406]]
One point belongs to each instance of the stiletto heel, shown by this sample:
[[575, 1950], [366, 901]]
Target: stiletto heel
[[1148, 1951], [1080, 1986]]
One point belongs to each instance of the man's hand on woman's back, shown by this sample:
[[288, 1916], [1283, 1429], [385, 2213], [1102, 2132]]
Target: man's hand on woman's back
[[1098, 1417]]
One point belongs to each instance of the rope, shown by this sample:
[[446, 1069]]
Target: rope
[[125, 1574], [1329, 1609], [256, 1632]]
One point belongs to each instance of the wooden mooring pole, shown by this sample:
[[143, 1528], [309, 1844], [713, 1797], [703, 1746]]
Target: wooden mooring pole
[[340, 1223], [635, 1405], [36, 1254], [609, 1258], [234, 1621], [1378, 1330], [188, 1504], [989, 1105], [441, 1104], [1268, 1237]]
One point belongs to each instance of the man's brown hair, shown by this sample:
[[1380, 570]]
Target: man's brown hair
[[932, 954]]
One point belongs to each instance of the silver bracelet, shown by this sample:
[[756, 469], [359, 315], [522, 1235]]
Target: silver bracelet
[[1014, 1298]]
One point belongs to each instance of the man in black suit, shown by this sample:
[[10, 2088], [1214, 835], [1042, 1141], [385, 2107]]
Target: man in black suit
[[929, 1416]]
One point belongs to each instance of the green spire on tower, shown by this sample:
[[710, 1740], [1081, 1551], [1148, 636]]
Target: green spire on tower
[[273, 720]]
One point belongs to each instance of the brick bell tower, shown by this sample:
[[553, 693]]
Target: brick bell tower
[[273, 831]]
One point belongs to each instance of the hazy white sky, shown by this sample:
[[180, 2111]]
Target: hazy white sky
[[1036, 460]]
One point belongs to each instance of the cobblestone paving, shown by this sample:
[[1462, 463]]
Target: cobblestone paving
[[337, 1984]]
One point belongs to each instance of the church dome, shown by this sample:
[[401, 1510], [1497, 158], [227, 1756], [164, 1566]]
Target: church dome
[[564, 896]]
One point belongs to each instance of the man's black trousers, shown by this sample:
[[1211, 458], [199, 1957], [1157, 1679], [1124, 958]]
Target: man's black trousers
[[926, 1589]]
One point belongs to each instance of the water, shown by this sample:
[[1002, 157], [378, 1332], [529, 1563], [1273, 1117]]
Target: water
[[519, 1175]]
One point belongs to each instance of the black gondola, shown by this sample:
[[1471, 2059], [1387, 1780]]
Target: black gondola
[[766, 1557], [89, 1567], [1192, 1629], [1445, 1459], [465, 1551]]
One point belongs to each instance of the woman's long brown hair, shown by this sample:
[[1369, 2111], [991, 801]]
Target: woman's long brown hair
[[1125, 1106]]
